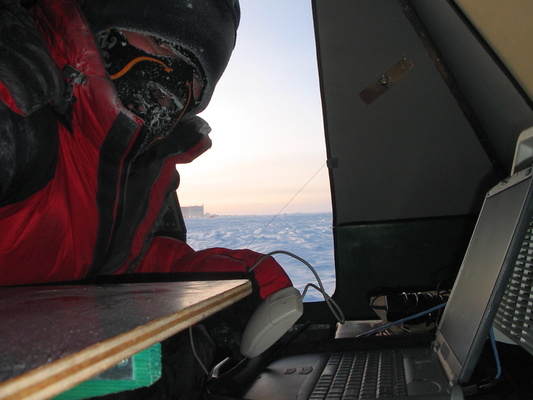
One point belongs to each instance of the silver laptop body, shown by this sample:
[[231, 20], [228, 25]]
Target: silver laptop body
[[439, 371]]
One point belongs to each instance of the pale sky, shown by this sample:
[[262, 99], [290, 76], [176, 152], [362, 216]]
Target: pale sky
[[266, 120]]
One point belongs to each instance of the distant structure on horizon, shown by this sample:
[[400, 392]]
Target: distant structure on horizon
[[193, 211]]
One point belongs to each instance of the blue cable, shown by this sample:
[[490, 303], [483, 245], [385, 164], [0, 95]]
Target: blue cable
[[400, 321], [496, 355], [420, 314]]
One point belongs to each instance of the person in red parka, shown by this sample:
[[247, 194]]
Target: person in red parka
[[98, 103], [94, 117]]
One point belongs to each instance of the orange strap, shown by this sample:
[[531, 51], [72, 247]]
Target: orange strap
[[137, 60]]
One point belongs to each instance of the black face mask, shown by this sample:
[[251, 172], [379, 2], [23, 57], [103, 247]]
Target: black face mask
[[158, 89]]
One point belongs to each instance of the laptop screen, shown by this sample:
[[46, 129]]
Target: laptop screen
[[483, 275]]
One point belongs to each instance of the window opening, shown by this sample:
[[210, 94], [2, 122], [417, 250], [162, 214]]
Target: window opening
[[263, 184]]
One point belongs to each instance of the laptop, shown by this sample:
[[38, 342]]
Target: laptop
[[436, 371]]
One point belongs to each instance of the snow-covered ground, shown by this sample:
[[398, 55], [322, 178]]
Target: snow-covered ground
[[309, 236]]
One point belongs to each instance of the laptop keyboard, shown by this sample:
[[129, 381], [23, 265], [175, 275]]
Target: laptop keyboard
[[362, 375]]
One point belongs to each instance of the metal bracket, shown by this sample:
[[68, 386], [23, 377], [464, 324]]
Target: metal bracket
[[386, 81]]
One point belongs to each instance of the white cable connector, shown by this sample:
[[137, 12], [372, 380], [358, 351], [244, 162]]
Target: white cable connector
[[333, 306]]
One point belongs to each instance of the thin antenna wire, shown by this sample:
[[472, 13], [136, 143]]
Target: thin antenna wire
[[285, 206]]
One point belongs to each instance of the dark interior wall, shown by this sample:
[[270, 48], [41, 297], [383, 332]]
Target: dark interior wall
[[409, 154], [502, 107], [408, 170], [415, 255]]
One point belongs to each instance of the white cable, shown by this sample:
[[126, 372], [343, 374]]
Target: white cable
[[194, 352], [333, 306]]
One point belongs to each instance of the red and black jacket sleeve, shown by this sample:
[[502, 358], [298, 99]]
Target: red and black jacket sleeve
[[31, 95]]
